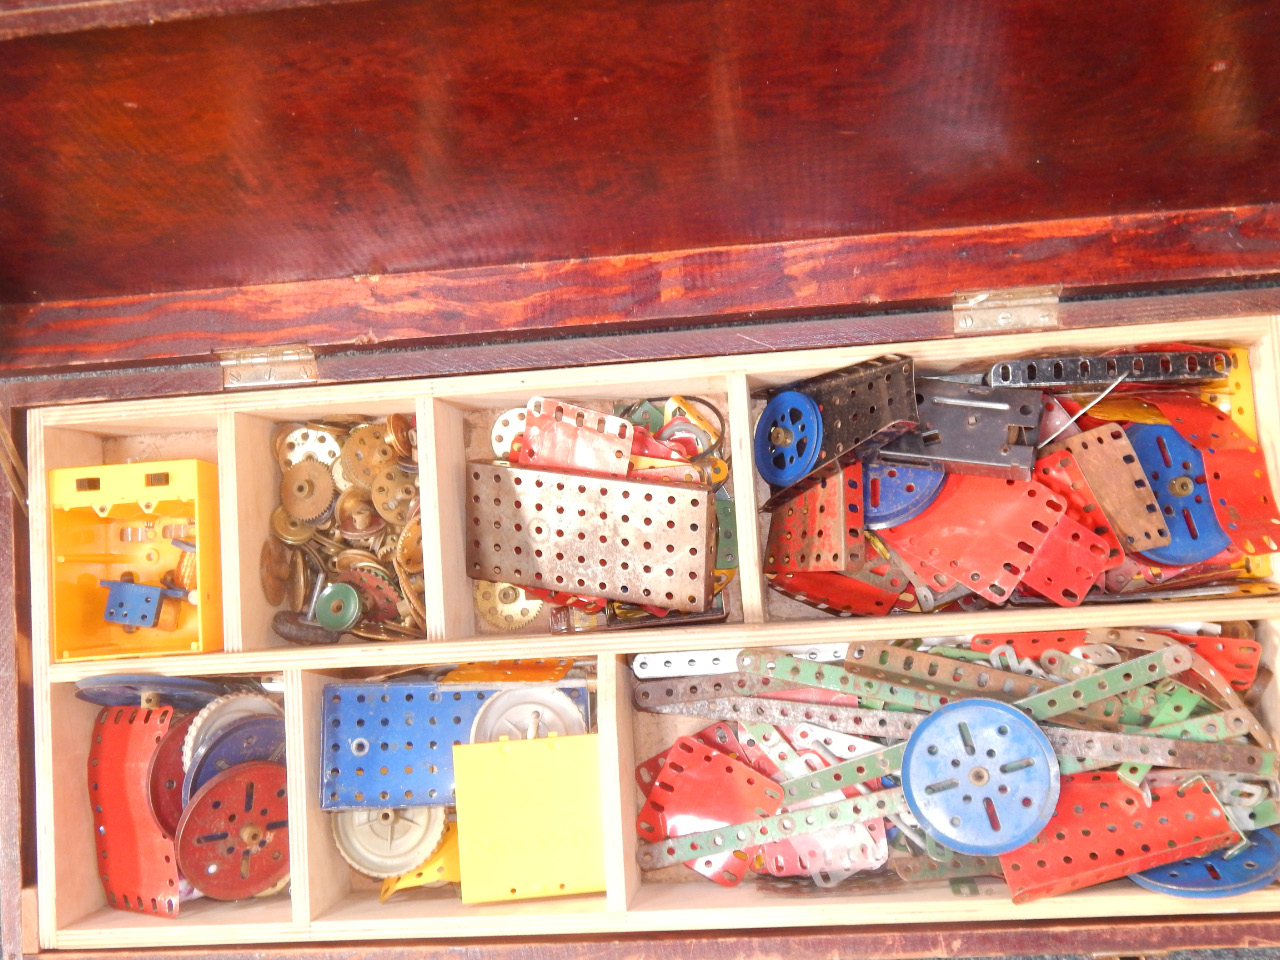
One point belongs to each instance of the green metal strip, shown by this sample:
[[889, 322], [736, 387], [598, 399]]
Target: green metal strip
[[1105, 683], [869, 766], [956, 867], [827, 676]]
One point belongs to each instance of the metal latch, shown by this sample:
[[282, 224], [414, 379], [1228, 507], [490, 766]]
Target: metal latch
[[1005, 311], [267, 367]]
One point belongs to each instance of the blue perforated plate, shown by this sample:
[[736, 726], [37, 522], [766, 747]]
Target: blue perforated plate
[[126, 690], [893, 493], [980, 777], [797, 416], [1175, 471], [391, 744], [1253, 868]]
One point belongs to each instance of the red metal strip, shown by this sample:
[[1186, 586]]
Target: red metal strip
[[1030, 644]]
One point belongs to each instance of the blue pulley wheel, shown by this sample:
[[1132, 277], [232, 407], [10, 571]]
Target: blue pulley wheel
[[253, 738], [980, 777], [126, 690], [788, 438], [1175, 471], [893, 493], [1212, 875]]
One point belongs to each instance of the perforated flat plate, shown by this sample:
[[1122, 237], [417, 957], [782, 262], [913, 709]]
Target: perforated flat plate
[[1236, 658], [820, 529], [560, 435], [873, 399], [135, 856], [1235, 467], [719, 736], [980, 777], [1061, 474], [1102, 830], [700, 787], [981, 531], [391, 744], [1107, 460], [685, 663], [1068, 563], [1176, 471], [602, 537], [1214, 874]]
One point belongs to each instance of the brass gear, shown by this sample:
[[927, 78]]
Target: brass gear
[[504, 605], [402, 433], [308, 442], [365, 454], [409, 544], [394, 494], [273, 570], [291, 531], [306, 491]]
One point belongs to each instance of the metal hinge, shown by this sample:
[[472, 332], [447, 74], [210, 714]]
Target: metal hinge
[[1005, 311], [267, 367]]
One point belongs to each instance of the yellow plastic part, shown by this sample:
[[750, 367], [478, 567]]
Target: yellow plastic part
[[680, 471], [529, 818], [109, 520], [500, 671], [719, 469], [723, 579], [678, 406], [440, 867]]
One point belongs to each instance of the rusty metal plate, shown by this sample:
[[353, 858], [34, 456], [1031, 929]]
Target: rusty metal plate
[[135, 856], [858, 403], [648, 694], [1235, 470], [1061, 474], [559, 435], [646, 543], [981, 531], [864, 593], [1103, 830], [233, 840], [820, 529], [969, 428], [1106, 458], [1068, 563], [1164, 366]]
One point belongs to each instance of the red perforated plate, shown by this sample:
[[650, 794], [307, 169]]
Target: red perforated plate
[[559, 435], [135, 856], [699, 788], [1235, 470], [1061, 474], [1102, 830], [982, 531], [233, 839], [719, 736], [820, 529], [866, 593], [1236, 658], [1030, 644], [164, 776], [1067, 564]]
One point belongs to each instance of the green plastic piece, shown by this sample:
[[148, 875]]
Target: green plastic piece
[[338, 607]]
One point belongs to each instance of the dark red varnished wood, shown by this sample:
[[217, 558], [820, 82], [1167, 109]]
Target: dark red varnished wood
[[397, 136], [673, 288]]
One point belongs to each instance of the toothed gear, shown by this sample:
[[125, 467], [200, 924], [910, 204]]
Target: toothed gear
[[365, 454], [505, 606], [221, 713], [306, 491]]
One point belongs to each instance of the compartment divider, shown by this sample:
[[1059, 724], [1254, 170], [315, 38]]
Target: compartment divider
[[442, 493], [617, 760], [320, 869], [742, 466]]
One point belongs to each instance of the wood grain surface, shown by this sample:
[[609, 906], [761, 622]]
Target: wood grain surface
[[400, 137]]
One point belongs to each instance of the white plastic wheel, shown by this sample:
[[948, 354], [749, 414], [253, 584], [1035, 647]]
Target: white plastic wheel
[[388, 842]]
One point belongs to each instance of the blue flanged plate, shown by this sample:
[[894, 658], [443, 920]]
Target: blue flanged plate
[[126, 690], [893, 493], [1257, 866], [1175, 470], [788, 438], [980, 777], [253, 738], [391, 744]]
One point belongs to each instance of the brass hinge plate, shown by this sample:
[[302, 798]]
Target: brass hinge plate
[[1006, 311], [267, 367]]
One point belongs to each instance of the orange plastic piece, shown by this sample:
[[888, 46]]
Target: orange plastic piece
[[441, 867], [500, 671], [110, 520]]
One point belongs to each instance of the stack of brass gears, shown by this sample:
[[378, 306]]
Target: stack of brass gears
[[345, 551]]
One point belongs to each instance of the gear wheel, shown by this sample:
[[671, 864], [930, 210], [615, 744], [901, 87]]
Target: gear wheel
[[365, 454], [505, 606], [306, 491], [220, 714], [395, 494], [388, 842]]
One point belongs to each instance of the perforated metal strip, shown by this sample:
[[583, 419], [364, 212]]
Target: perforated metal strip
[[1160, 752], [686, 663], [1211, 728], [853, 720], [1106, 683], [870, 766], [741, 836], [652, 693]]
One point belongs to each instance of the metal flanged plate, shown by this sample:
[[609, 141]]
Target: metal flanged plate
[[980, 777], [895, 492], [390, 841], [560, 435], [1176, 471], [1061, 474], [395, 494], [820, 529], [164, 776], [233, 839], [379, 598], [599, 536], [1068, 563], [306, 491], [505, 606], [788, 438], [135, 856], [253, 738], [506, 428], [526, 714], [222, 713], [130, 690], [365, 454], [307, 443], [864, 593], [1221, 873]]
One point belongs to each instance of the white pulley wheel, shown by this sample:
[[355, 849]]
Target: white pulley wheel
[[388, 842], [220, 714], [528, 714], [506, 428]]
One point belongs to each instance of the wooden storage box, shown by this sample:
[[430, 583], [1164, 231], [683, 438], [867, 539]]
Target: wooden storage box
[[327, 901]]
